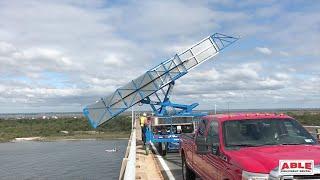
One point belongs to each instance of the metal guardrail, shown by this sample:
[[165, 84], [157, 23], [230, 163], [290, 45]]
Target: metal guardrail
[[316, 127], [314, 130]]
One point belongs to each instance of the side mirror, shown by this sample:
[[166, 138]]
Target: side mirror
[[215, 149], [202, 145]]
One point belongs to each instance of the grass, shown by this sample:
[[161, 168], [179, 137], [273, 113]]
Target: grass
[[306, 118], [118, 127]]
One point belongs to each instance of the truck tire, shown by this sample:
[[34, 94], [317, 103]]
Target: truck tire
[[187, 173], [159, 147], [162, 148]]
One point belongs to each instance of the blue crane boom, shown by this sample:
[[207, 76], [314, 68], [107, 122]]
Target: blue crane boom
[[154, 86]]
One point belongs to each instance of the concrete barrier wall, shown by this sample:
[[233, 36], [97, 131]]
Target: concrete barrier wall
[[125, 159], [128, 166]]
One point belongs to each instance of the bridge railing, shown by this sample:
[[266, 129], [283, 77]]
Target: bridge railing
[[128, 166]]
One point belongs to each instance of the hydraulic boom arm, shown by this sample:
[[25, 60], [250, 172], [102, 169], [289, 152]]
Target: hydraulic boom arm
[[156, 81]]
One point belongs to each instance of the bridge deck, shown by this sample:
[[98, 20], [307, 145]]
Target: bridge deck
[[146, 165]]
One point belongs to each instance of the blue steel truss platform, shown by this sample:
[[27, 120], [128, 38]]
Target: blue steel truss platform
[[154, 86]]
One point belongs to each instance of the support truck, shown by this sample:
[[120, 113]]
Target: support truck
[[255, 146], [166, 132]]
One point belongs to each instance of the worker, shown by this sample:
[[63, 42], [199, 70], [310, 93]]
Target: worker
[[143, 120]]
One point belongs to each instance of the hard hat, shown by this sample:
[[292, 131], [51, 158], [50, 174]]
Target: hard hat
[[144, 114]]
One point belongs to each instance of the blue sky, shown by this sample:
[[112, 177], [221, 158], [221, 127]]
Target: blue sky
[[62, 55]]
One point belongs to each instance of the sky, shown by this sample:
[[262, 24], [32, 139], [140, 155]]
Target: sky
[[62, 55]]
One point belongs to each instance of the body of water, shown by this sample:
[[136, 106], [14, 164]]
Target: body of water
[[61, 159]]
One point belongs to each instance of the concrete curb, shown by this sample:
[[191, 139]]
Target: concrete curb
[[165, 170]]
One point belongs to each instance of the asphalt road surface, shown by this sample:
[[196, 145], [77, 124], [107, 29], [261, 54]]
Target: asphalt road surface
[[173, 160]]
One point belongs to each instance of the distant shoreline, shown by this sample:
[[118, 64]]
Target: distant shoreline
[[79, 128], [63, 128], [69, 138], [54, 139], [79, 115]]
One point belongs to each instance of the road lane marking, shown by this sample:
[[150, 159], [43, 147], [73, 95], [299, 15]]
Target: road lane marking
[[163, 163]]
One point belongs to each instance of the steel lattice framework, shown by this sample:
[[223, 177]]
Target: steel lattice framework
[[154, 86]]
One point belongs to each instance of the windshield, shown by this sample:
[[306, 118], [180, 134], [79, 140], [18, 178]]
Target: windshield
[[261, 132]]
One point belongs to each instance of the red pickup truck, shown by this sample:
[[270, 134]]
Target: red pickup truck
[[250, 147]]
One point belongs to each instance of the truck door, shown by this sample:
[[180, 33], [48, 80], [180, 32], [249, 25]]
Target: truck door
[[214, 164], [197, 158]]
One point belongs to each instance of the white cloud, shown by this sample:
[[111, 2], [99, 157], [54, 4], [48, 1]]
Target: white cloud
[[283, 53], [264, 50], [114, 60], [33, 61], [269, 11], [6, 47], [67, 54], [282, 76]]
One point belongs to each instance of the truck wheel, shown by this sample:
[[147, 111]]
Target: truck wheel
[[162, 149], [187, 173]]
